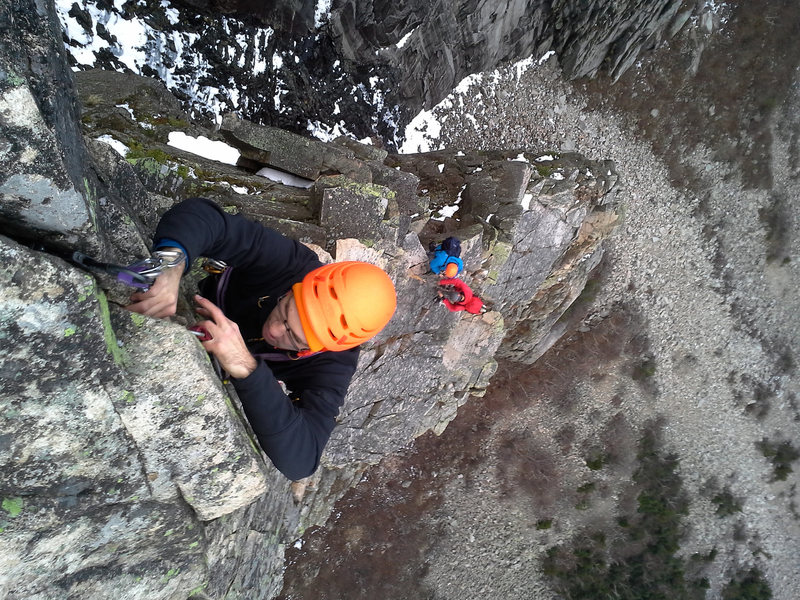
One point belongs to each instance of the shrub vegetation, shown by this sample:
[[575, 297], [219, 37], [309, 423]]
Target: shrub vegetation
[[642, 562]]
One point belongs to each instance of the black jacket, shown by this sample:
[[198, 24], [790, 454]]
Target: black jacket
[[265, 266]]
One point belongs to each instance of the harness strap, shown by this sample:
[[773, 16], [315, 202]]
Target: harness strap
[[282, 356], [222, 287]]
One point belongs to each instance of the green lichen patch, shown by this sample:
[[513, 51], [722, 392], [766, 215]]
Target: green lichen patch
[[137, 151], [148, 165], [198, 591], [366, 189], [14, 79], [169, 575], [117, 354], [70, 331], [500, 253], [137, 319], [13, 506]]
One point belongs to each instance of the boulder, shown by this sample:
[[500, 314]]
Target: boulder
[[289, 152], [118, 441], [349, 209]]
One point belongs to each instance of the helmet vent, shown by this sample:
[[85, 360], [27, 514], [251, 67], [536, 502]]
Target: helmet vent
[[343, 321], [332, 292]]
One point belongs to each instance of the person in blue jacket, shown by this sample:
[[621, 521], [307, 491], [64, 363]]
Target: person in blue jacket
[[446, 260], [276, 314]]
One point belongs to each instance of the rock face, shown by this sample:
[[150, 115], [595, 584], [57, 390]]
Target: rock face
[[46, 187], [125, 461], [546, 219], [443, 42], [372, 64], [107, 418]]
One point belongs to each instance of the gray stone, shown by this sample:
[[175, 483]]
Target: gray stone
[[365, 152], [44, 184], [289, 152], [354, 210], [405, 186], [106, 459], [40, 204]]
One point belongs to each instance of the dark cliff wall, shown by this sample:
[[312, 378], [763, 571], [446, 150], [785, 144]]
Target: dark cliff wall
[[450, 39], [42, 157], [373, 64]]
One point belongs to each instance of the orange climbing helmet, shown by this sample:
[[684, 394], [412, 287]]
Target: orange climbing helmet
[[344, 304], [451, 270]]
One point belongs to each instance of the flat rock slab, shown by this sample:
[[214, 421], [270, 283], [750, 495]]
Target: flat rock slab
[[290, 152]]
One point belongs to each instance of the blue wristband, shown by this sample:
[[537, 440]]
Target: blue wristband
[[169, 243]]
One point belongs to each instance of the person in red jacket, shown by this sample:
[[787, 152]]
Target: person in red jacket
[[457, 296]]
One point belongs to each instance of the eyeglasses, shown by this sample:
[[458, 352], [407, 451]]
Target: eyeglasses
[[294, 339]]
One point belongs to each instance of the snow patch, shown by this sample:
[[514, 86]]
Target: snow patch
[[173, 16], [328, 133], [322, 13], [404, 39], [526, 201], [202, 146], [285, 178], [421, 133], [444, 212], [546, 57], [121, 148]]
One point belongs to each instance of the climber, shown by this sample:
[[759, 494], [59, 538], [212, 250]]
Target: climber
[[457, 296], [446, 259], [275, 316]]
